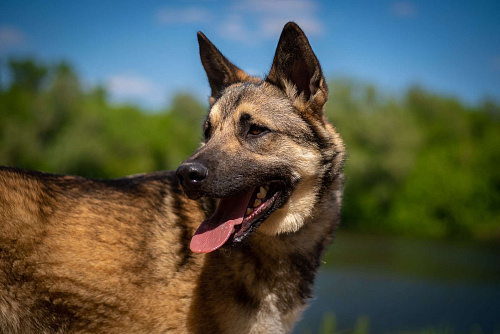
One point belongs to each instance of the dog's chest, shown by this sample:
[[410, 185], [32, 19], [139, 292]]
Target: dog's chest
[[269, 318]]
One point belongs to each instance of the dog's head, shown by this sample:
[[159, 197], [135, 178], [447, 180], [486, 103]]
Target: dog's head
[[269, 153]]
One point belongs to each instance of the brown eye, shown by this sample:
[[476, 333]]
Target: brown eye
[[256, 130]]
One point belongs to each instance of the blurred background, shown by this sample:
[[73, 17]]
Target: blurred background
[[105, 89]]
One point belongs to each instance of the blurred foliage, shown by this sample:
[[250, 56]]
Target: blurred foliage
[[420, 165], [362, 326], [59, 127]]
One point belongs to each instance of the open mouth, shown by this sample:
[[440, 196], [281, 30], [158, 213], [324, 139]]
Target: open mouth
[[237, 216], [260, 203]]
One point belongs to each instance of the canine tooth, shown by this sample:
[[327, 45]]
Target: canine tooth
[[249, 211], [256, 203], [262, 193]]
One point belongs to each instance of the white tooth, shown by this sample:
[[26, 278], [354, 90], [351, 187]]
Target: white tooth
[[256, 203], [266, 187], [234, 229], [249, 211], [262, 193]]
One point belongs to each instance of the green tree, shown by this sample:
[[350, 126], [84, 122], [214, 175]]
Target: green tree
[[27, 74]]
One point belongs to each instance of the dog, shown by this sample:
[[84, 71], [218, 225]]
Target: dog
[[229, 243]]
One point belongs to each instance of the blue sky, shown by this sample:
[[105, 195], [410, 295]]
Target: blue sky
[[146, 51]]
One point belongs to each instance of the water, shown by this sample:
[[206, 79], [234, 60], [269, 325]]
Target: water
[[407, 285]]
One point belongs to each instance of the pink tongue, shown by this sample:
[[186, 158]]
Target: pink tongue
[[215, 231]]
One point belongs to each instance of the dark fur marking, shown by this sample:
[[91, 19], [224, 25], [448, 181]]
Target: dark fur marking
[[244, 298], [329, 175], [185, 234], [236, 103], [325, 147], [228, 110], [323, 143], [307, 266]]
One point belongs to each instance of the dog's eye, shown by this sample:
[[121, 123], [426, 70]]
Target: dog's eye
[[256, 130]]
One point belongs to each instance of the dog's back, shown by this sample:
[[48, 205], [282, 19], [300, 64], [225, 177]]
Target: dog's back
[[95, 256]]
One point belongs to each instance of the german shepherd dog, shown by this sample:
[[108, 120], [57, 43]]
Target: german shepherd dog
[[129, 255]]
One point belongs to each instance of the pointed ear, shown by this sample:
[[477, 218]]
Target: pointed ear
[[296, 69], [221, 72]]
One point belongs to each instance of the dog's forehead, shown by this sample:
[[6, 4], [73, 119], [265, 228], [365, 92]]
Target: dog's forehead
[[251, 98]]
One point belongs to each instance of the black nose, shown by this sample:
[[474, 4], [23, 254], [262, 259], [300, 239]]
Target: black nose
[[191, 173]]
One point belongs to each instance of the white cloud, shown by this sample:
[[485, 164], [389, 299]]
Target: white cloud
[[404, 9], [233, 27], [276, 6], [249, 21], [255, 20], [11, 37], [125, 87], [169, 15]]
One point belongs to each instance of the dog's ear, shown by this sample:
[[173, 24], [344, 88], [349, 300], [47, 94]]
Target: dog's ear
[[221, 72], [296, 69]]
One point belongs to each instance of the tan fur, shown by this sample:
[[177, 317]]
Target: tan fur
[[80, 255], [86, 249]]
